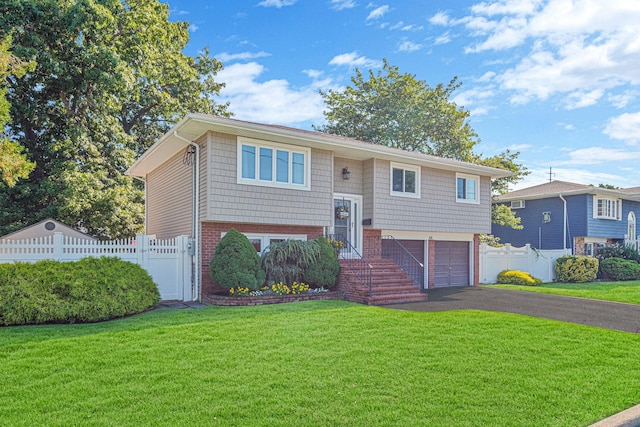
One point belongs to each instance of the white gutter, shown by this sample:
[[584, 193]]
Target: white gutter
[[564, 225], [195, 216]]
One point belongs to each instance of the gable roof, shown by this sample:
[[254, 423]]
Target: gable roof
[[194, 126], [46, 227], [564, 188]]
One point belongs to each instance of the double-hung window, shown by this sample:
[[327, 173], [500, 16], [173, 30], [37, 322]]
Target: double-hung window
[[606, 208], [273, 165], [467, 188], [405, 180]]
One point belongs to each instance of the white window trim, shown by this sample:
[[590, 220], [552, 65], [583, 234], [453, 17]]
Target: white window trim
[[273, 146], [618, 213], [265, 238], [416, 169], [475, 178]]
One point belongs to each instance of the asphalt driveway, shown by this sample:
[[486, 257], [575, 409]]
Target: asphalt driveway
[[604, 314]]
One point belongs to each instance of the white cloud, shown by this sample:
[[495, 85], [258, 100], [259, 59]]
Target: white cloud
[[596, 156], [519, 147], [625, 127], [342, 4], [271, 101], [193, 28], [623, 99], [440, 18], [443, 39], [276, 3], [400, 25], [476, 100], [409, 46], [241, 56], [314, 74], [352, 59], [378, 12], [579, 49], [579, 176], [582, 99]]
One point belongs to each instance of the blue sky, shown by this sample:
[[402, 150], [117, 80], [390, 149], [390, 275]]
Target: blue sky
[[556, 80]]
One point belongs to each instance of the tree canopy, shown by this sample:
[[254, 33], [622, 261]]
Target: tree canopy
[[110, 78], [13, 162], [397, 110]]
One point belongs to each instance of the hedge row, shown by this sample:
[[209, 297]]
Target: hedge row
[[89, 290]]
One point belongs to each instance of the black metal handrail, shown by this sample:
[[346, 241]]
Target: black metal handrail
[[354, 260], [400, 255]]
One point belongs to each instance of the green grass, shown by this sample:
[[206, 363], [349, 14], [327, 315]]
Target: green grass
[[317, 363], [628, 292]]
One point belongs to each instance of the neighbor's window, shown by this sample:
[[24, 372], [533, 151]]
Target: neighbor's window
[[271, 164], [467, 188], [405, 180], [605, 208]]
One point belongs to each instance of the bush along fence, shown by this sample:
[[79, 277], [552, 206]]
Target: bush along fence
[[168, 261], [538, 263]]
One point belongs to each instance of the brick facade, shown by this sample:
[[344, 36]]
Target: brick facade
[[372, 244], [211, 233], [431, 263]]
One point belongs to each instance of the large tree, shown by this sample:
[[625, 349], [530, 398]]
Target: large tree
[[111, 77], [13, 162], [397, 110]]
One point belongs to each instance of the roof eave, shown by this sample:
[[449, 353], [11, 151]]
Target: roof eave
[[166, 147]]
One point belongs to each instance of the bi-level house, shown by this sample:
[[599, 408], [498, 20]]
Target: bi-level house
[[210, 174], [576, 217]]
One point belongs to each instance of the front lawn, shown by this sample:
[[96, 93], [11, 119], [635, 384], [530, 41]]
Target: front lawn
[[317, 363], [628, 292]]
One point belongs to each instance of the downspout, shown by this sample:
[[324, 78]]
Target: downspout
[[564, 225], [195, 216]]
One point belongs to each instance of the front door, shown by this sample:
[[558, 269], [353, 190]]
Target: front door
[[347, 223]]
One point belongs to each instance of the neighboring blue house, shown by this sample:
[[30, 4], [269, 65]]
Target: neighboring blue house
[[564, 215]]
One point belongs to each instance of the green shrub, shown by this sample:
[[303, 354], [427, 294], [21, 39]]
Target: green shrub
[[236, 263], [616, 250], [323, 272], [515, 277], [619, 269], [287, 261], [576, 268], [89, 290]]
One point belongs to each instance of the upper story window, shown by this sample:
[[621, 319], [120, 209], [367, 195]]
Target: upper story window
[[405, 180], [467, 188], [273, 165], [606, 208]]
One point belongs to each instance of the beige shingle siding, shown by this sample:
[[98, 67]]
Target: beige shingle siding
[[354, 184], [368, 189], [230, 201], [436, 210], [205, 177], [169, 199]]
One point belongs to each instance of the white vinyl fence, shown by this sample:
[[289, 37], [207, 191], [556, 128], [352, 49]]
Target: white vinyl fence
[[538, 263], [167, 261]]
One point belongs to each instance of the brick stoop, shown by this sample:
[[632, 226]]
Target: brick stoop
[[389, 285]]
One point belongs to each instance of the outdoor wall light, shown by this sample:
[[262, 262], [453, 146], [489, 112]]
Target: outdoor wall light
[[346, 173], [546, 217]]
